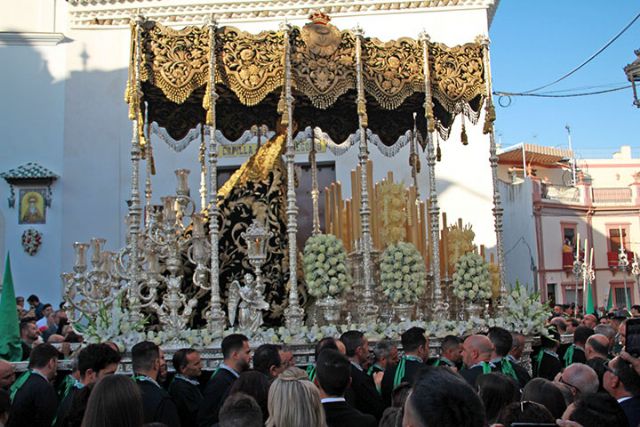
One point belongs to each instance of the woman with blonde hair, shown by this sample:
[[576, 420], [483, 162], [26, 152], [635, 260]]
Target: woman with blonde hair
[[294, 401]]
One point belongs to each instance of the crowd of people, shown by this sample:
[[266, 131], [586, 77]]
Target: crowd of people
[[476, 380]]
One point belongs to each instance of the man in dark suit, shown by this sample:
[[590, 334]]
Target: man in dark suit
[[34, 399], [236, 355], [502, 343], [266, 359], [95, 361], [622, 382], [416, 351], [185, 388], [450, 353], [332, 378], [575, 352], [476, 354], [362, 394], [157, 404], [385, 354], [29, 334], [546, 363]]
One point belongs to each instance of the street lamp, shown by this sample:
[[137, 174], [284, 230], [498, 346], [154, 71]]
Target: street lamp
[[633, 74]]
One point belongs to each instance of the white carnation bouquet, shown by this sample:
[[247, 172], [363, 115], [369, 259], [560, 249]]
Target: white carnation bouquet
[[324, 263], [471, 280], [402, 273], [524, 312]]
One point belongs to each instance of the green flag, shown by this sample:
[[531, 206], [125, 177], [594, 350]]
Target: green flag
[[10, 347], [589, 308], [610, 300]]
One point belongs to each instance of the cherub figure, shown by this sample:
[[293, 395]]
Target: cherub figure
[[249, 302]]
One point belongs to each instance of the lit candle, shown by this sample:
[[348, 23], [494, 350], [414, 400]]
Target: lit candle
[[585, 249], [591, 257], [578, 246], [621, 239]]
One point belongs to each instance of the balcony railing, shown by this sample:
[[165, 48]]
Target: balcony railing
[[612, 259], [560, 193], [612, 195]]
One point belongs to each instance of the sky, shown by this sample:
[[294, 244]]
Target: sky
[[534, 42]]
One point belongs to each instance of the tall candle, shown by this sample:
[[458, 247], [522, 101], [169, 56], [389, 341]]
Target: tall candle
[[578, 246], [585, 249], [621, 239], [591, 257]]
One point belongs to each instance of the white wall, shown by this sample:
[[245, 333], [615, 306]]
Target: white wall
[[519, 234]]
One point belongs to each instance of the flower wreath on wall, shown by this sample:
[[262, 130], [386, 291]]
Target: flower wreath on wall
[[31, 241]]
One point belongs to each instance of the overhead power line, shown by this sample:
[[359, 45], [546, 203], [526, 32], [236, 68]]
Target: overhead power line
[[530, 92]]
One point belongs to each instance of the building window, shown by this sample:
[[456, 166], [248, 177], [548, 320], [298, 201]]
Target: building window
[[619, 300], [569, 237], [570, 294], [614, 239], [551, 293]]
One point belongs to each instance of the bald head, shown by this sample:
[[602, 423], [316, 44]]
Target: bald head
[[580, 378], [7, 374], [597, 346], [476, 348]]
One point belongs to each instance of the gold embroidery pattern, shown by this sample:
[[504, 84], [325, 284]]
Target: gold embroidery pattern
[[176, 61], [251, 65], [323, 63], [458, 75], [392, 70]]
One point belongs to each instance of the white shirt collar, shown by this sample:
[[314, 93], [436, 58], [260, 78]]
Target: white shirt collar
[[230, 369], [622, 399], [358, 367], [36, 371], [333, 399]]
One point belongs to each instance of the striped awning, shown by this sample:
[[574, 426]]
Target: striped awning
[[533, 154]]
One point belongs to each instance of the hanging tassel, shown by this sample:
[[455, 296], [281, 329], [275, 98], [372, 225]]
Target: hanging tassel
[[463, 133], [463, 136], [438, 152]]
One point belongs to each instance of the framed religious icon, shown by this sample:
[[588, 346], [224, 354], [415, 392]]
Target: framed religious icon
[[33, 209]]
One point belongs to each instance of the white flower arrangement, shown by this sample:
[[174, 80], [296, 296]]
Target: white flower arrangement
[[402, 273], [111, 324], [471, 280], [324, 263], [523, 313]]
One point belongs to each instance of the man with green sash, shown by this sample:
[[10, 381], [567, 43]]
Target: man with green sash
[[476, 356], [450, 353], [325, 343], [385, 354], [546, 363], [416, 351], [34, 400], [575, 352], [502, 342], [95, 361]]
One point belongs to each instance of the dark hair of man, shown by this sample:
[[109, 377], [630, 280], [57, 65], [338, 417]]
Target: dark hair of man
[[256, 385], [24, 323], [442, 398], [96, 357], [496, 391], [450, 342], [400, 393], [114, 401], [41, 355], [240, 410], [598, 347], [635, 307], [231, 343], [180, 359], [574, 322], [382, 349], [47, 305], [352, 340], [144, 355], [501, 339], [627, 375], [412, 338], [5, 403], [544, 392], [582, 334], [266, 356], [598, 409], [33, 298], [333, 372], [525, 412], [325, 343]]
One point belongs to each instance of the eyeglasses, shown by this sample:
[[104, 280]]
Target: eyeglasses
[[562, 381]]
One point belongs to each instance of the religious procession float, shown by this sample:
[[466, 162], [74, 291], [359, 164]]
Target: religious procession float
[[230, 260]]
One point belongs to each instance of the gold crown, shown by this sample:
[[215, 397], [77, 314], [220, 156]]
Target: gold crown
[[318, 17]]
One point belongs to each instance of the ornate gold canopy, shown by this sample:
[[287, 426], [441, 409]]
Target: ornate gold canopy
[[250, 68]]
